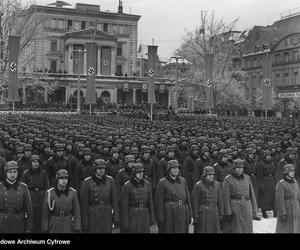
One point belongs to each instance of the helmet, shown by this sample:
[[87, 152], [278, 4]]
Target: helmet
[[238, 163], [61, 173], [129, 158], [114, 150], [172, 164], [11, 165], [288, 168], [99, 163], [208, 170], [138, 167], [34, 157], [87, 151]]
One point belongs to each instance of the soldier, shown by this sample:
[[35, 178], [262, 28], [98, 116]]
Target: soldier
[[124, 173], [190, 173], [37, 182], [61, 210], [287, 202], [57, 162], [207, 203], [137, 213], [266, 174], [15, 205], [239, 201], [98, 201], [114, 164], [173, 204], [289, 158]]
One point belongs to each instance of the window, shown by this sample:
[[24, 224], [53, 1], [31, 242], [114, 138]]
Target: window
[[277, 59], [53, 45], [105, 27], [295, 56], [119, 50], [286, 79], [83, 25], [286, 57], [53, 66], [70, 25], [119, 70]]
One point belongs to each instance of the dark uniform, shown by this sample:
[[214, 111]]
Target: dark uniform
[[98, 200], [15, 205]]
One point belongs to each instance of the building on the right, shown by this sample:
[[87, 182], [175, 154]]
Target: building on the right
[[280, 41]]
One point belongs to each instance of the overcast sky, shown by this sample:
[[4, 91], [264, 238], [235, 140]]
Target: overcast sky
[[166, 20]]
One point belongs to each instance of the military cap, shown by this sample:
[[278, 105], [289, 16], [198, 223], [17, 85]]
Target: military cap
[[138, 167], [146, 149], [11, 165], [129, 158], [208, 170], [114, 150], [288, 168], [28, 147], [172, 164], [20, 150], [34, 157], [238, 163], [250, 151], [99, 163], [87, 151], [61, 173]]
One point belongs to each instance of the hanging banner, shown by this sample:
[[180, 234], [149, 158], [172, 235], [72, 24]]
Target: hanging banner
[[13, 50], [209, 82], [91, 50]]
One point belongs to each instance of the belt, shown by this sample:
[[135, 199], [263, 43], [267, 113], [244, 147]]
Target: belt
[[61, 213], [178, 202], [10, 211], [239, 197], [100, 203], [36, 189], [138, 205]]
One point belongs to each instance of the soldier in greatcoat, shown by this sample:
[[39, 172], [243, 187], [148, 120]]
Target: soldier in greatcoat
[[207, 203], [173, 203], [61, 209], [99, 202], [136, 205], [239, 201], [287, 202], [37, 181], [15, 202]]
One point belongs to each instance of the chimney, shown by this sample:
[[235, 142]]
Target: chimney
[[120, 8]]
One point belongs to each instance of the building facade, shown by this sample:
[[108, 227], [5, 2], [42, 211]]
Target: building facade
[[51, 34]]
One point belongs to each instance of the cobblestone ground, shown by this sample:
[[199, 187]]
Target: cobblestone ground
[[262, 226]]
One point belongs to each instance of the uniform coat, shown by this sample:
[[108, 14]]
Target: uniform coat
[[287, 203], [173, 205], [241, 210], [61, 211], [207, 204], [137, 219], [17, 199], [37, 182], [98, 202], [266, 174]]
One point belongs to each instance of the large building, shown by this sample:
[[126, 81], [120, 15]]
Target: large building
[[281, 41], [50, 35]]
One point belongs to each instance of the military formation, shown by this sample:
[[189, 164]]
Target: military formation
[[87, 174]]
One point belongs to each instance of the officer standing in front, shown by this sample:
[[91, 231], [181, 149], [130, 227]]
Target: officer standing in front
[[15, 202]]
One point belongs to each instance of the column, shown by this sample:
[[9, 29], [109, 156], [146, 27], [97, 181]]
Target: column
[[134, 96], [113, 61], [84, 61], [46, 93], [99, 61], [70, 60]]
